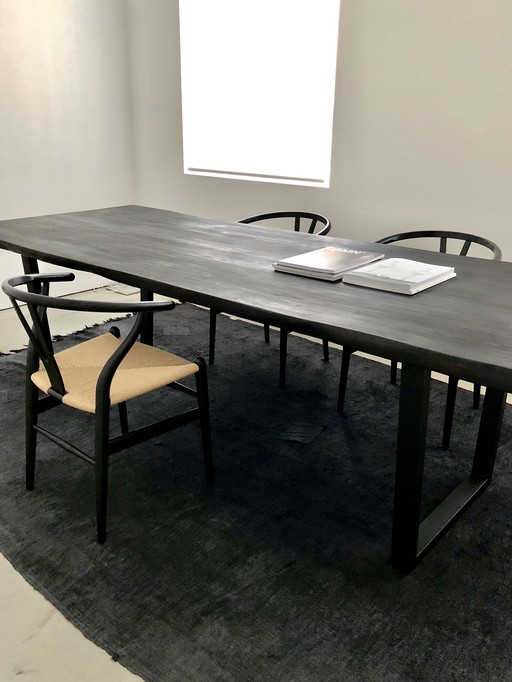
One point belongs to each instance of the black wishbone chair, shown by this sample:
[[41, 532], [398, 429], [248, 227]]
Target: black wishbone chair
[[444, 237], [95, 374], [303, 221]]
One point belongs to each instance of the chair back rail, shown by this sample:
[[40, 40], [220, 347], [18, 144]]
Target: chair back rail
[[445, 235], [39, 301], [301, 218]]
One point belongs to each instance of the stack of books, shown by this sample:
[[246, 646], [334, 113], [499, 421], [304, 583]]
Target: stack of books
[[399, 275]]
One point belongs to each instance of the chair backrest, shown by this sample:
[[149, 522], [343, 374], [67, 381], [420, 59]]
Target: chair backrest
[[302, 220], [38, 301], [444, 236]]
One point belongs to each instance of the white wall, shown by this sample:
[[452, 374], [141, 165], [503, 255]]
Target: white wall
[[422, 132], [90, 116], [65, 116]]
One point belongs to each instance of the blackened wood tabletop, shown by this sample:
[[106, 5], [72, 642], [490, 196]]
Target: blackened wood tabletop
[[462, 327]]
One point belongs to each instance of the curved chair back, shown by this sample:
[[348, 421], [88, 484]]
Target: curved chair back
[[38, 301], [445, 235], [303, 220]]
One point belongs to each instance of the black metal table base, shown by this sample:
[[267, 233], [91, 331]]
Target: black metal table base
[[413, 538]]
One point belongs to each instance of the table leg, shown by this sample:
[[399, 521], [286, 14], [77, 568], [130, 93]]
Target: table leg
[[412, 429], [413, 539], [30, 265], [146, 334]]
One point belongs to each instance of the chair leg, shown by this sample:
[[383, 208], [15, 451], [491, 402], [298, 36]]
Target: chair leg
[[394, 367], [283, 349], [345, 364], [123, 417], [30, 433], [123, 412], [476, 396], [213, 331], [266, 332], [449, 411], [204, 418], [325, 345], [101, 471]]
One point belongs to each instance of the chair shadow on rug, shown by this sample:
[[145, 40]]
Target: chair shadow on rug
[[96, 374]]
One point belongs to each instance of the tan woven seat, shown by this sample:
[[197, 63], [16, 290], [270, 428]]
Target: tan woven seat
[[144, 369]]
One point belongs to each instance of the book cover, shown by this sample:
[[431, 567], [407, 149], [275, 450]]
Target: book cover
[[400, 275], [327, 263]]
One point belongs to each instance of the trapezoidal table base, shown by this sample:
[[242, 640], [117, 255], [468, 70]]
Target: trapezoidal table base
[[413, 538]]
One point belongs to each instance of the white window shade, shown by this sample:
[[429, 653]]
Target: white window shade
[[258, 80]]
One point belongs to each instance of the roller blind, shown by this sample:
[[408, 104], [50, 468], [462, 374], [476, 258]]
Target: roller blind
[[258, 81]]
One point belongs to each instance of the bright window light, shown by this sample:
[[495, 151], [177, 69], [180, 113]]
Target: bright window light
[[257, 81]]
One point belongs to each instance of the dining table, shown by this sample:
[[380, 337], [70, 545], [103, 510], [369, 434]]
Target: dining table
[[460, 328]]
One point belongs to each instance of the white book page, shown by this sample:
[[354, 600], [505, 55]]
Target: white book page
[[402, 270]]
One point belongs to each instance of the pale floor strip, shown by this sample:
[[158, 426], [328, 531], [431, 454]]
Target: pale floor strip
[[38, 643], [35, 638]]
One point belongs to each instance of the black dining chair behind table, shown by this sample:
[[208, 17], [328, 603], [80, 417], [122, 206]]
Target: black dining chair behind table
[[445, 238], [302, 221]]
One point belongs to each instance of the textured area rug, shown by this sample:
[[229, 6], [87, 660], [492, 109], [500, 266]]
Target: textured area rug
[[280, 571]]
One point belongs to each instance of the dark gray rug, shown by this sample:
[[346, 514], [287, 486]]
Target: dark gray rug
[[280, 571]]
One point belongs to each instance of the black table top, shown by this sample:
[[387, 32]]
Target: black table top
[[462, 327]]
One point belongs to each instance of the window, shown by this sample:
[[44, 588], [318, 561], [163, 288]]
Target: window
[[258, 81]]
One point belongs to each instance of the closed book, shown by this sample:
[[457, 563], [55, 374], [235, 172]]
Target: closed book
[[400, 275], [328, 263]]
